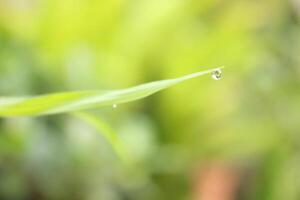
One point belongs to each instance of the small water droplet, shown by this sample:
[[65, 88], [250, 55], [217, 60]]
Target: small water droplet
[[217, 74], [115, 106]]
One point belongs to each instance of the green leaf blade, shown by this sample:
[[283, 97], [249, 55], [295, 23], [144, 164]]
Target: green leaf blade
[[83, 100]]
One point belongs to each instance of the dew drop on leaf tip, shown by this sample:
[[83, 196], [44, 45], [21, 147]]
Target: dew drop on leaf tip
[[217, 74]]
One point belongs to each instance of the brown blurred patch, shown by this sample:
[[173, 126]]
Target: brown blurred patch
[[216, 181]]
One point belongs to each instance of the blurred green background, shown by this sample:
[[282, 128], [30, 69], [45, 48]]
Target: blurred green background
[[239, 133]]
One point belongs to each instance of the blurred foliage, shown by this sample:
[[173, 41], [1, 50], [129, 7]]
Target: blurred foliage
[[249, 119]]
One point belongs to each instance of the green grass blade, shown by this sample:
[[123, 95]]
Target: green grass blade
[[108, 133], [82, 100]]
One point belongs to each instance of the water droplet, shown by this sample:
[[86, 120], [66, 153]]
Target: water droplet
[[217, 74], [115, 106]]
